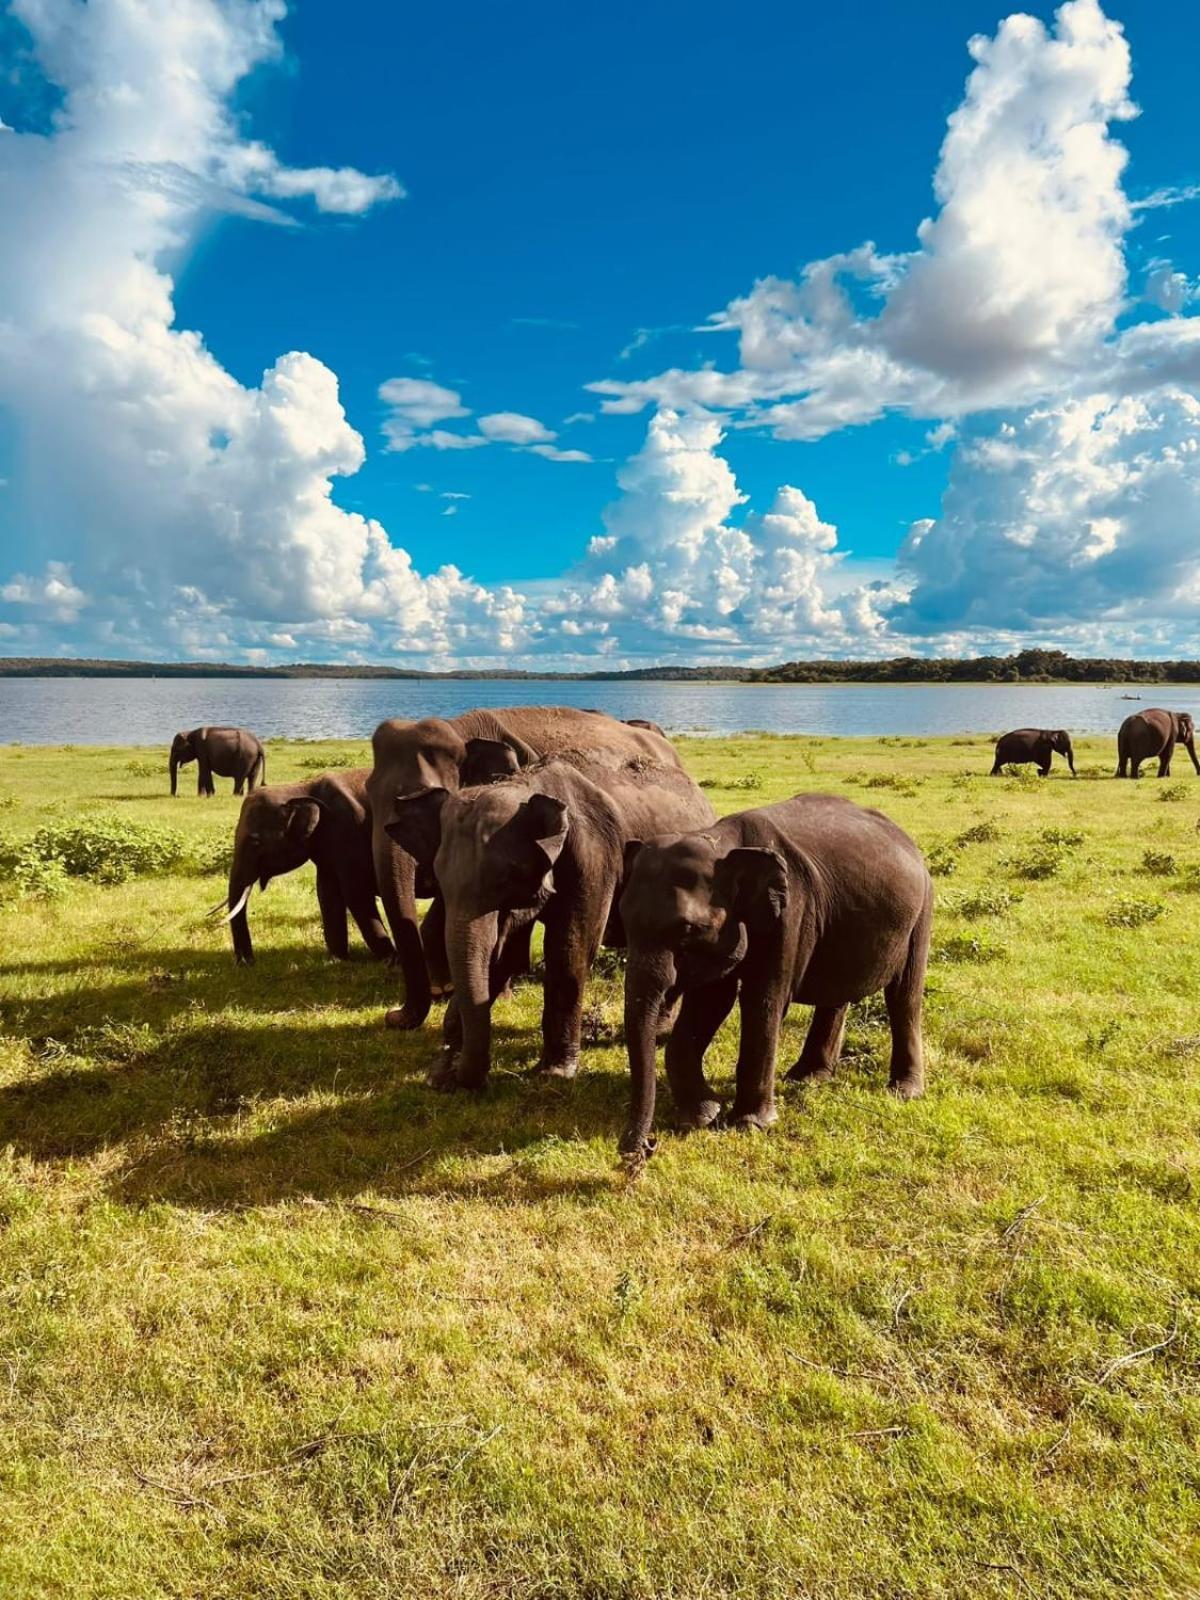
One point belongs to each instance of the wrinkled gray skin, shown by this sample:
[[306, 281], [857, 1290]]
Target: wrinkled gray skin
[[814, 900], [545, 845], [1024, 746], [227, 752], [432, 753], [1149, 734], [325, 821]]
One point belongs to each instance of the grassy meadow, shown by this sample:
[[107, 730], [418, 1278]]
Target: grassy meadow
[[278, 1321]]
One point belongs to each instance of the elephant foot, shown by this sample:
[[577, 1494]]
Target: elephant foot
[[440, 991], [243, 961], [635, 1153], [911, 1086], [556, 1069], [445, 1075], [819, 1072], [405, 1017], [753, 1121], [705, 1114]]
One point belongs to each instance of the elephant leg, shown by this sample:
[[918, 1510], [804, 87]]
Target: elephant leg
[[703, 1011], [1164, 759], [1135, 767], [1044, 772], [433, 943], [572, 940], [333, 913], [204, 783], [367, 919], [1190, 746], [997, 769], [239, 782], [763, 1003], [817, 1061], [904, 997], [513, 957], [396, 876]]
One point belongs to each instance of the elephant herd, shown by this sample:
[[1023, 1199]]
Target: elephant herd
[[592, 827], [1144, 736]]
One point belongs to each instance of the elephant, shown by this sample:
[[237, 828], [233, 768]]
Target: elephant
[[1147, 734], [229, 752], [816, 900], [432, 753], [1033, 745], [325, 821], [543, 845]]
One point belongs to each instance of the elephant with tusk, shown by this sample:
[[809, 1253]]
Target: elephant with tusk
[[325, 821]]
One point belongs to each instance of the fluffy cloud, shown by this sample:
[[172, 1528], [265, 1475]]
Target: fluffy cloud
[[415, 405], [194, 512], [1014, 284], [673, 571]]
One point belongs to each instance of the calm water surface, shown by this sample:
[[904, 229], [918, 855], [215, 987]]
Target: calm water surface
[[134, 711]]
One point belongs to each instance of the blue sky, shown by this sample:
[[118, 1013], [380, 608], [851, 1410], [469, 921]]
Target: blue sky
[[582, 193]]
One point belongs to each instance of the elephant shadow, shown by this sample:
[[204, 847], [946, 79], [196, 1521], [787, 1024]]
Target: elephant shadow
[[348, 1111]]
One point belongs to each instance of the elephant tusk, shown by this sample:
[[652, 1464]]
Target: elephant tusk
[[230, 914], [216, 910]]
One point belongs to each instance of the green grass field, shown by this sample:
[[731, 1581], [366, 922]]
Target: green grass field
[[278, 1321]]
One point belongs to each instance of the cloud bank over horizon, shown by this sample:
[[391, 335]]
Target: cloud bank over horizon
[[160, 506]]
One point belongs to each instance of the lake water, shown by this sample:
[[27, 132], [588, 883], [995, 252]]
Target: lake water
[[148, 711]]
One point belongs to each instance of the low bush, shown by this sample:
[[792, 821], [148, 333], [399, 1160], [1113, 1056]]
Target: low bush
[[1042, 861], [8, 800], [1061, 838], [1159, 863], [1174, 791], [1130, 913], [990, 901], [108, 849], [1189, 880], [969, 947], [985, 832], [942, 860], [894, 780], [747, 780], [207, 856], [141, 768], [30, 877]]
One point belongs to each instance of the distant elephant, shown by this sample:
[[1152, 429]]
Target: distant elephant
[[229, 752], [544, 845], [814, 900], [1147, 734], [1033, 745], [325, 821], [432, 754]]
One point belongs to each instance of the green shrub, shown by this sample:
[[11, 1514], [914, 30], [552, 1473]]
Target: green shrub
[[990, 901], [969, 947], [8, 800], [985, 832], [211, 855], [314, 763], [1061, 838], [1159, 863], [1042, 861], [139, 767], [1189, 880], [1130, 913], [748, 780], [894, 780], [1173, 791], [942, 860], [106, 848], [34, 878]]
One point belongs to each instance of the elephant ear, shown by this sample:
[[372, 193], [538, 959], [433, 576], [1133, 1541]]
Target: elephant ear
[[755, 882], [633, 848], [416, 824], [548, 822], [301, 819], [487, 760]]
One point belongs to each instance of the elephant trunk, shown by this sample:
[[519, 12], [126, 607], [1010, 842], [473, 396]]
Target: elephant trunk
[[471, 948], [1189, 744], [648, 977], [174, 771], [396, 877], [241, 881], [1069, 752]]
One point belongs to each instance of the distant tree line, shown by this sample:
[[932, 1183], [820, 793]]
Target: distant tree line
[[1027, 666]]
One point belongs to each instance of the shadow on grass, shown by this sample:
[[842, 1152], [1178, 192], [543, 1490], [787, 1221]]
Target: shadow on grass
[[219, 1114]]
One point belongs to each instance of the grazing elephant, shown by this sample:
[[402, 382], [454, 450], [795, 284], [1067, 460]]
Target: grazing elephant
[[544, 845], [815, 899], [325, 821], [1025, 745], [433, 754], [229, 752], [1147, 734]]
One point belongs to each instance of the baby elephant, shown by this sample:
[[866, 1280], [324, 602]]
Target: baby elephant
[[1025, 745], [229, 752], [816, 900], [325, 821], [545, 844]]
